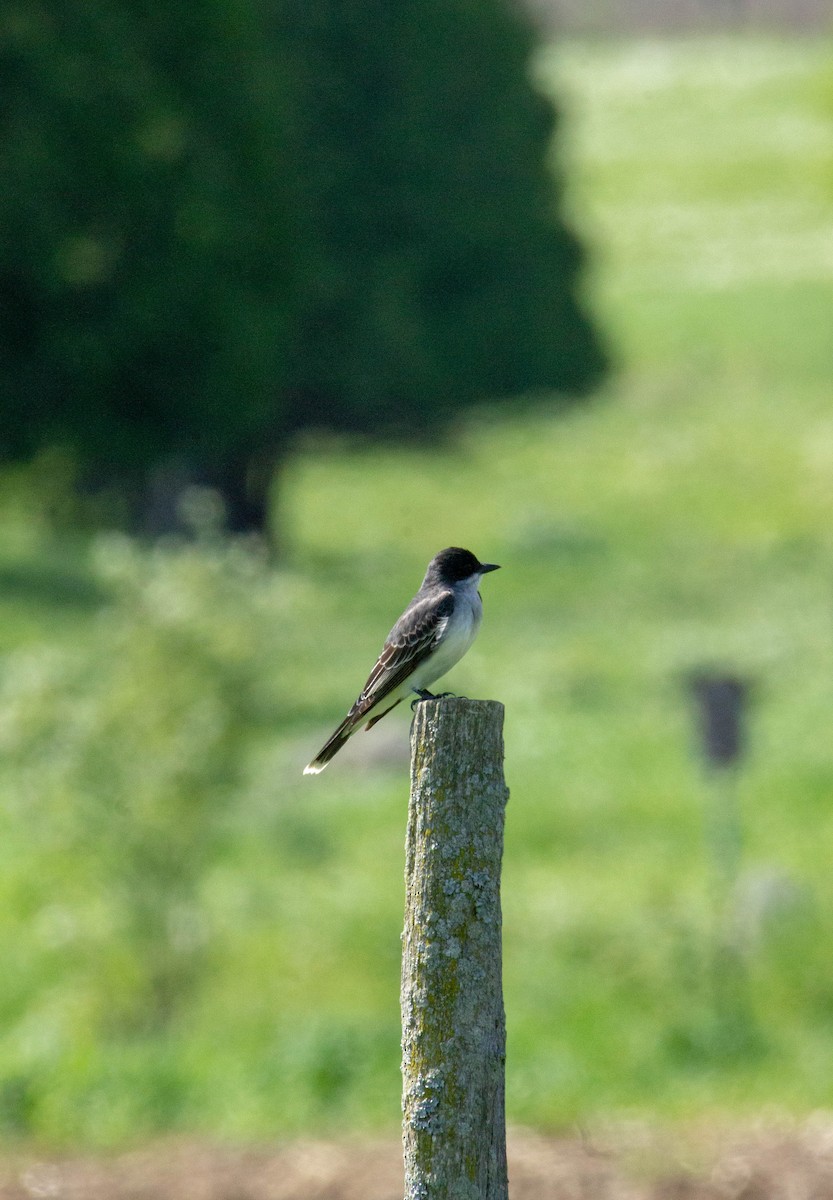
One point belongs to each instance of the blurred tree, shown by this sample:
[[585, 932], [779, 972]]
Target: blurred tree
[[224, 224], [444, 275], [145, 224]]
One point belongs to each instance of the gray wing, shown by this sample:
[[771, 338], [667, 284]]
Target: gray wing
[[411, 640]]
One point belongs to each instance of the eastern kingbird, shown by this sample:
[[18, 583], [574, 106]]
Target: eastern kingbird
[[433, 633]]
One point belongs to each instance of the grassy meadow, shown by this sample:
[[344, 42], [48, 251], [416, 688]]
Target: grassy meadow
[[198, 938]]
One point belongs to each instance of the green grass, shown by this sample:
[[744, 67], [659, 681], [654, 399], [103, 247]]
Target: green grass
[[202, 939]]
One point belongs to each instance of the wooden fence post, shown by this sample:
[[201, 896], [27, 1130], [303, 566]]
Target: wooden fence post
[[453, 1026]]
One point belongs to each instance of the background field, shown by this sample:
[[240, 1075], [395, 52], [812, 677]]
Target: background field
[[196, 937]]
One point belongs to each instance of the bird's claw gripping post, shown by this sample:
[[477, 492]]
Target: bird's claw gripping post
[[424, 694]]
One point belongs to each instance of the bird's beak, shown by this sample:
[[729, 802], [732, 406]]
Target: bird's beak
[[484, 567]]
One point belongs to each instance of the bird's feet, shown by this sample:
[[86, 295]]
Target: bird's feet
[[424, 694]]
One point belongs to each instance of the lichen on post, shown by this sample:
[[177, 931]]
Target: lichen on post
[[453, 1025]]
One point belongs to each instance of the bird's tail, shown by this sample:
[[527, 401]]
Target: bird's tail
[[346, 729], [332, 746]]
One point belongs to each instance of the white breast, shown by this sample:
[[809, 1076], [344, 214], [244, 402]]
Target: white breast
[[460, 631]]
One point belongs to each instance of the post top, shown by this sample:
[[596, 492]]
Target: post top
[[459, 702]]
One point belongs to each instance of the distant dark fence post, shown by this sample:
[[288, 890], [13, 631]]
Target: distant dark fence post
[[721, 708], [721, 699], [453, 1026]]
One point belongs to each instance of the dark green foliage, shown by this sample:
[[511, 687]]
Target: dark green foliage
[[444, 276], [224, 223], [144, 229]]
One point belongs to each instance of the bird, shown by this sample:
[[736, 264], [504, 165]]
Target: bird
[[433, 633]]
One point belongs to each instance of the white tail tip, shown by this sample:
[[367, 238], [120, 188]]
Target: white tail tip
[[314, 768]]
